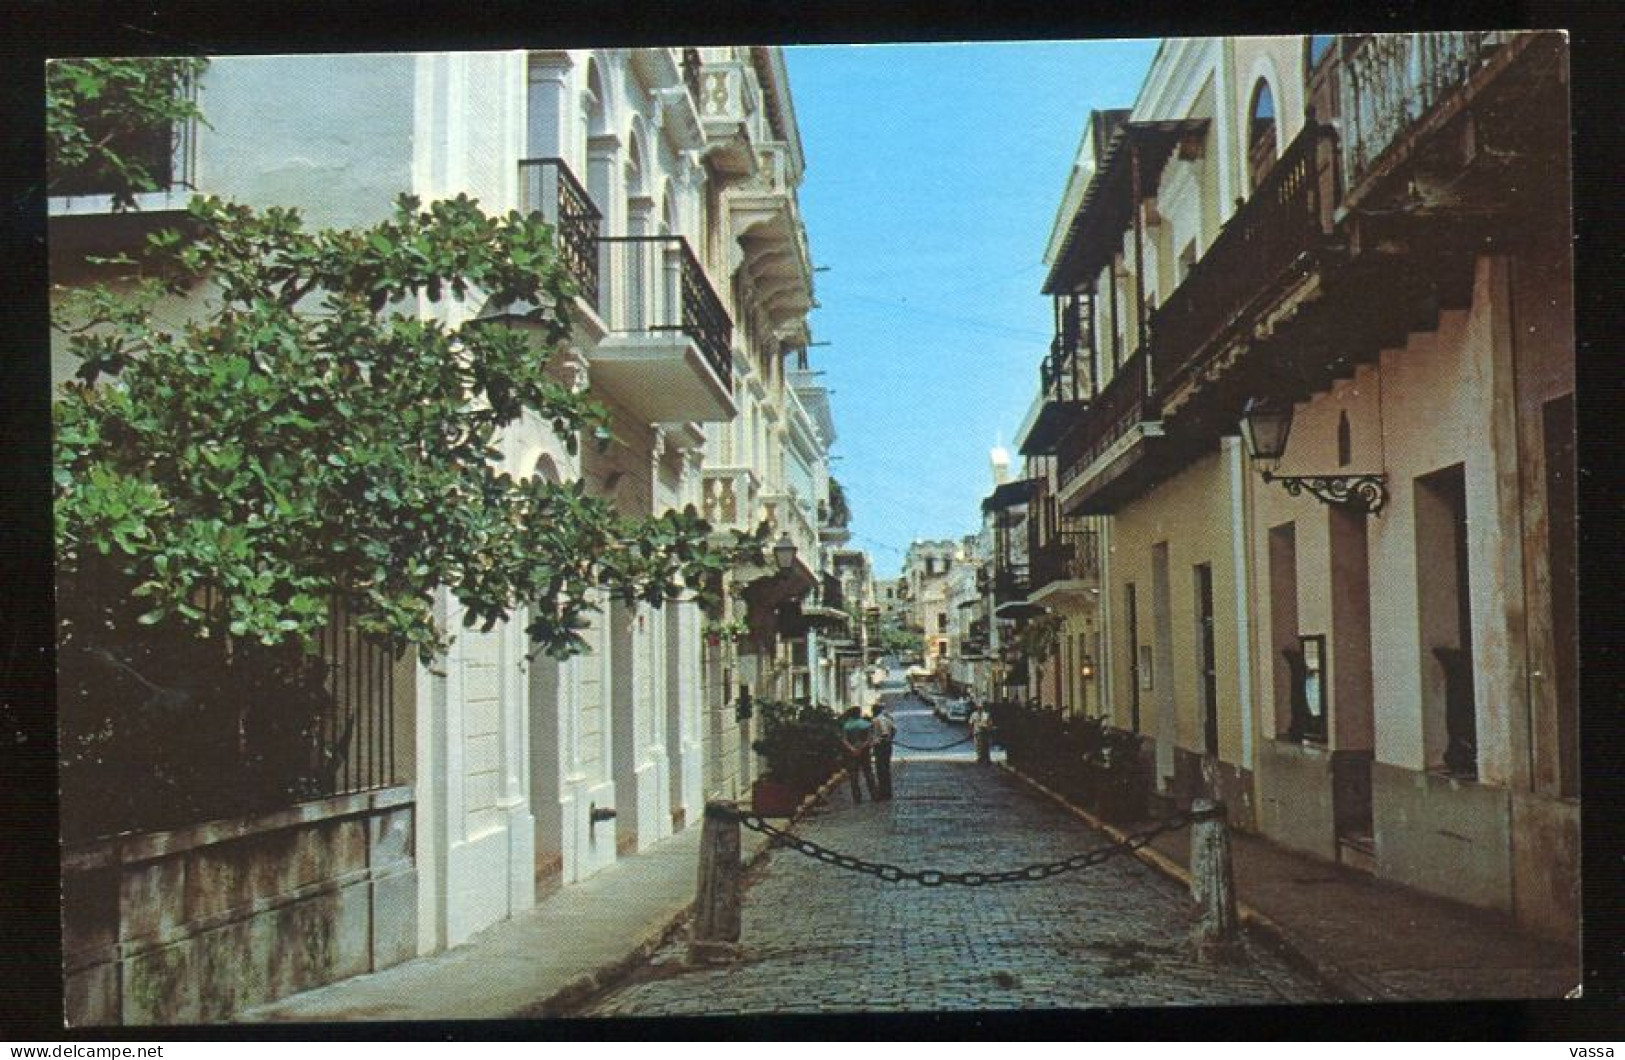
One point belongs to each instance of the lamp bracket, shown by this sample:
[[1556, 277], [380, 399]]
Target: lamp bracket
[[1362, 493]]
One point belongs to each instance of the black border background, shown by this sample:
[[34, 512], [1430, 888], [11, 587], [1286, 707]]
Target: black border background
[[30, 954]]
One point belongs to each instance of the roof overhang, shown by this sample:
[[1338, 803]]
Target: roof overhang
[[1010, 494], [1107, 210]]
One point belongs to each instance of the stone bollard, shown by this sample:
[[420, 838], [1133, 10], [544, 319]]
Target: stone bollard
[[715, 934], [1213, 882]]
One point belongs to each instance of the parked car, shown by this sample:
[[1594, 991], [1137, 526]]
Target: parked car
[[956, 710]]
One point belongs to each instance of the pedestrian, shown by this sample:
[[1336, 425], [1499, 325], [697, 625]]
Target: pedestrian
[[857, 737], [981, 730], [885, 731]]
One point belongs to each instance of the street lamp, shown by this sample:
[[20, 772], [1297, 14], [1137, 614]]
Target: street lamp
[[1087, 668], [784, 553], [1265, 425]]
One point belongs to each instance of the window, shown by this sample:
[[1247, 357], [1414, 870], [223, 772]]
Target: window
[[1444, 618], [126, 126], [1261, 134], [1133, 617], [1287, 654], [1345, 440], [1207, 663]]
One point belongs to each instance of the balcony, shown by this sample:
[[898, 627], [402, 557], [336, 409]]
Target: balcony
[[1120, 429], [728, 499], [727, 104], [547, 187], [667, 355], [1392, 82], [1011, 583], [1268, 257], [789, 516], [1063, 377], [1066, 568]]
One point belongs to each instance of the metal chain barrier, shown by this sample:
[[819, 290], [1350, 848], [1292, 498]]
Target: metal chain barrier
[[935, 878], [911, 747]]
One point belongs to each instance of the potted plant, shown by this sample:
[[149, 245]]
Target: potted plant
[[801, 744]]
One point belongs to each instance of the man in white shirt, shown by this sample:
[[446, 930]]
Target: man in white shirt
[[981, 729]]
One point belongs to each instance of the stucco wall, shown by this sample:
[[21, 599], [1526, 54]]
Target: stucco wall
[[1193, 513], [330, 134]]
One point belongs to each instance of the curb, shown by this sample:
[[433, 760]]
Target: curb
[[563, 1003], [1337, 980]]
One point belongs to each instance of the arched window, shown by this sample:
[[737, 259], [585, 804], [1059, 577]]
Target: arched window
[[1260, 133]]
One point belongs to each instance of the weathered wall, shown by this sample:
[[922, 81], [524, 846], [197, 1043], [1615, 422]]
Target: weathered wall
[[199, 923], [330, 134]]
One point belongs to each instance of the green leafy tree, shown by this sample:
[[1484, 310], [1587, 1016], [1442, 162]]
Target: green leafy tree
[[306, 446], [305, 440], [111, 124], [896, 640]]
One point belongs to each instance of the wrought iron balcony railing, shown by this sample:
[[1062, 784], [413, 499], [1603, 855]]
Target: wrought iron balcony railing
[[654, 283], [1071, 554], [1284, 220], [1391, 81], [1010, 582], [548, 187]]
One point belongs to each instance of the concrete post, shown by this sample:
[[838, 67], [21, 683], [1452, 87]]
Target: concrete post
[[1213, 882], [715, 934]]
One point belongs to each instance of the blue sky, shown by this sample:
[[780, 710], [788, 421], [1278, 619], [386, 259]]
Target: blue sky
[[933, 175]]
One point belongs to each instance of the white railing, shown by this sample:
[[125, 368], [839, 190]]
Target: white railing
[[728, 498]]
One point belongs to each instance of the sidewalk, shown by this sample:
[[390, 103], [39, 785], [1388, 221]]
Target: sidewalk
[[542, 962], [1368, 939]]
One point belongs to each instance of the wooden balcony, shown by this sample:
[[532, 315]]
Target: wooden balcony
[[1120, 428], [1269, 253], [1063, 377], [1066, 566]]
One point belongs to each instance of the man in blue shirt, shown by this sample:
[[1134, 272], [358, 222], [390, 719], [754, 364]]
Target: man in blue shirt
[[857, 736]]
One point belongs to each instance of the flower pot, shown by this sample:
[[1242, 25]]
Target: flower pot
[[771, 798]]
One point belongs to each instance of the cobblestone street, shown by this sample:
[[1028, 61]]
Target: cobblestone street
[[820, 939]]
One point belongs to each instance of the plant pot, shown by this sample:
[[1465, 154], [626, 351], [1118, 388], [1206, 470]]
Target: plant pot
[[771, 798]]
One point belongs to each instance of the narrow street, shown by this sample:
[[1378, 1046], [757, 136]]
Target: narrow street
[[821, 939]]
